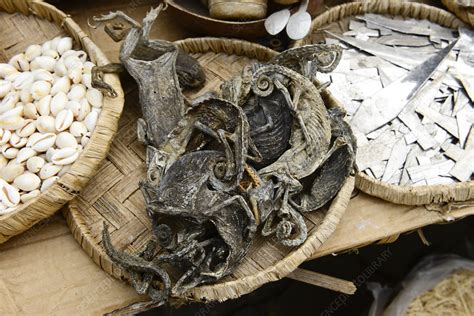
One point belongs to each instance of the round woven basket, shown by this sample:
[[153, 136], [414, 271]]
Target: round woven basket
[[409, 195], [113, 195], [25, 22], [464, 13]]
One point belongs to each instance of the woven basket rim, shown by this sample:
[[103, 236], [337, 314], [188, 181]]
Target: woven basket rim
[[465, 14], [85, 167], [409, 195], [235, 288]]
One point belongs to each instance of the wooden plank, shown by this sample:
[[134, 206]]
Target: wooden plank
[[324, 281]]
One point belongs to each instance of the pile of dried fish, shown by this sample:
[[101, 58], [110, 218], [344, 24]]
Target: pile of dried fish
[[261, 151], [408, 87]]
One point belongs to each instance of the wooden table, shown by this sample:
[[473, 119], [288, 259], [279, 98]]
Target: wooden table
[[44, 271]]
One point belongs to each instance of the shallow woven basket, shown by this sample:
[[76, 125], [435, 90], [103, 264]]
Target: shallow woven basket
[[113, 195], [465, 14], [27, 22], [410, 195]]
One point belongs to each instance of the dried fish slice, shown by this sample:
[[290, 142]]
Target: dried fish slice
[[392, 55], [387, 103], [409, 26], [395, 39], [397, 157]]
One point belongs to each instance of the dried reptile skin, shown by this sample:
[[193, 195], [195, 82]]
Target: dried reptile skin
[[204, 192], [154, 65], [330, 177]]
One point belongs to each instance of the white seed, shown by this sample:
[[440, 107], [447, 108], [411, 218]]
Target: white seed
[[32, 52], [64, 44], [45, 46], [43, 62], [29, 111], [43, 143], [88, 65], [25, 197], [84, 110], [47, 183], [77, 92], [49, 154], [74, 106], [27, 182], [3, 161], [54, 42], [51, 53], [65, 139], [75, 75], [64, 170], [87, 80], [63, 120], [24, 80], [12, 119], [9, 195], [4, 136], [48, 170], [25, 154], [34, 164], [25, 95], [85, 139], [63, 84], [28, 129], [82, 55], [7, 70], [5, 87], [9, 102], [45, 124], [9, 152], [95, 97], [41, 74], [73, 62], [20, 62], [33, 138], [65, 156], [68, 53], [43, 106], [60, 69], [78, 129], [91, 120], [58, 103], [9, 173], [40, 89], [17, 141]]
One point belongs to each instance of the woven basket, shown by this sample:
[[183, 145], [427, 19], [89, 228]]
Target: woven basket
[[464, 13], [113, 195], [409, 195], [32, 21]]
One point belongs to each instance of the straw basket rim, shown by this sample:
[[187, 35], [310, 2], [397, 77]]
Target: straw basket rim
[[70, 183], [463, 13], [409, 195], [235, 288]]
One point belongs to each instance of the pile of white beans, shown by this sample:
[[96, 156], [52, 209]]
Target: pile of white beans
[[48, 110]]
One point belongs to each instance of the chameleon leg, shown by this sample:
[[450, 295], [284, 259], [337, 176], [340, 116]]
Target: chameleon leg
[[141, 131], [142, 282], [98, 78], [114, 15], [293, 104], [137, 264]]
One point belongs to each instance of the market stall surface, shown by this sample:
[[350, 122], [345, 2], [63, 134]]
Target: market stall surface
[[44, 271]]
